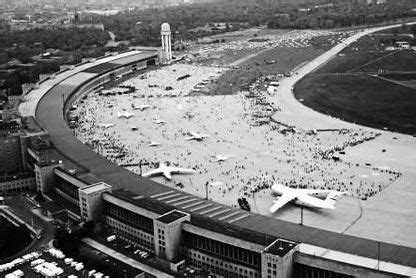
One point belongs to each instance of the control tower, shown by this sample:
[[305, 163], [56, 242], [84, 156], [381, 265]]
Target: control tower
[[166, 34]]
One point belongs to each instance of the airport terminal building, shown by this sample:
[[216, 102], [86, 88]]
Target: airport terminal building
[[178, 228]]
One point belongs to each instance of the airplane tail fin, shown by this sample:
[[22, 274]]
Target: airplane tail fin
[[332, 197]]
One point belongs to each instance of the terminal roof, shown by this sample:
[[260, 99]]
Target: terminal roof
[[171, 216], [140, 201]]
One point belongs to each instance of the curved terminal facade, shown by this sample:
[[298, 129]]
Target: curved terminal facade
[[178, 228]]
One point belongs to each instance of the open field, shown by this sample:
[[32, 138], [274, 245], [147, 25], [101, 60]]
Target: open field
[[271, 62], [367, 84], [361, 99]]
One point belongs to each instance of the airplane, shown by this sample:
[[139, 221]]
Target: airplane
[[316, 198], [126, 115], [105, 126], [196, 136], [167, 171], [153, 144], [159, 122], [134, 128], [221, 157], [140, 107]]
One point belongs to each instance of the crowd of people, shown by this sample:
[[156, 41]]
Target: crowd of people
[[258, 155]]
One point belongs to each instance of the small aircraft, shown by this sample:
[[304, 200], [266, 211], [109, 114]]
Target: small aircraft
[[221, 157], [316, 198], [153, 144], [134, 128], [105, 126], [140, 107], [159, 122], [126, 115], [196, 136], [167, 171]]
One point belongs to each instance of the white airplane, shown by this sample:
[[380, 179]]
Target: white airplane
[[221, 157], [196, 136], [159, 122], [105, 126], [316, 198], [167, 171], [140, 107], [126, 115], [153, 144]]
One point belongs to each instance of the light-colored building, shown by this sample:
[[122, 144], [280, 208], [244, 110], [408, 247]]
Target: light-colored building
[[91, 201], [166, 36]]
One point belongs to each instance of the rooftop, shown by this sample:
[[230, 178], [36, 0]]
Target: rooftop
[[52, 206], [142, 202], [232, 230], [280, 247], [171, 216], [95, 187]]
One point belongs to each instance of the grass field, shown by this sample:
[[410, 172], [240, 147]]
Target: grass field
[[12, 239], [361, 99], [384, 99], [285, 59]]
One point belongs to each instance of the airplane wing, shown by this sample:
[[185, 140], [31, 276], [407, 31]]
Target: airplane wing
[[333, 194], [181, 170], [316, 202], [194, 134], [316, 191], [152, 173], [189, 138], [283, 200]]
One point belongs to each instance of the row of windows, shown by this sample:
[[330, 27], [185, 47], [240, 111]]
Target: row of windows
[[220, 249], [306, 271], [130, 218], [68, 188], [218, 266], [134, 235], [67, 197], [16, 189], [17, 183]]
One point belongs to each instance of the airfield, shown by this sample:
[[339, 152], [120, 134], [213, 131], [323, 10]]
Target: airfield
[[268, 137]]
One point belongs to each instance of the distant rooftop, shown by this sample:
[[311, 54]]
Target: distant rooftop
[[171, 216]]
